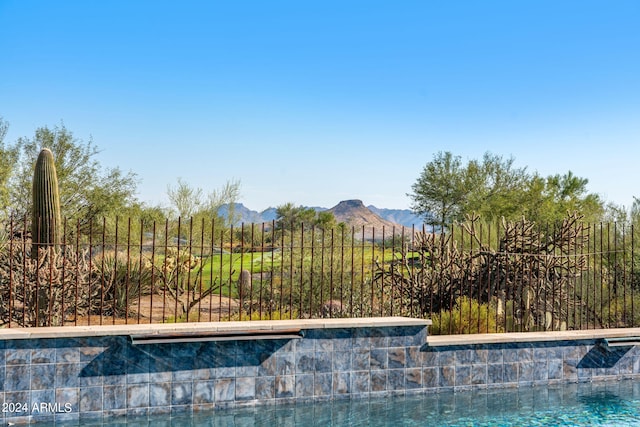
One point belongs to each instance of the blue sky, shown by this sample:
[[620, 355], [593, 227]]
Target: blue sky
[[313, 102]]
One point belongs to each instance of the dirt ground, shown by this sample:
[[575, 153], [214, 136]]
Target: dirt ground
[[158, 309]]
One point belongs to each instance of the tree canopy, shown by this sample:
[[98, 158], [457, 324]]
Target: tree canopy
[[87, 190], [493, 187]]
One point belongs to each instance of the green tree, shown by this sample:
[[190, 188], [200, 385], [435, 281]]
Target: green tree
[[441, 189], [87, 190], [8, 157], [446, 191], [185, 199], [289, 216], [548, 200]]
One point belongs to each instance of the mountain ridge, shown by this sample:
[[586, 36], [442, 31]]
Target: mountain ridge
[[385, 216]]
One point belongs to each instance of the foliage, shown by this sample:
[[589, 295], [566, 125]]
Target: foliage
[[535, 268], [87, 190], [446, 191], [124, 279], [467, 316], [55, 287], [8, 159]]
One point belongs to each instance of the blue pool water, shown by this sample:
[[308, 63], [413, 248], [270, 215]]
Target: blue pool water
[[596, 404]]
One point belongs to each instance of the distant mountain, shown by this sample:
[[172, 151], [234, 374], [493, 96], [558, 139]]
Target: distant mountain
[[399, 216], [351, 212], [242, 214], [355, 214]]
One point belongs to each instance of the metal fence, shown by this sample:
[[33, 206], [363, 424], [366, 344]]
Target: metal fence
[[475, 277]]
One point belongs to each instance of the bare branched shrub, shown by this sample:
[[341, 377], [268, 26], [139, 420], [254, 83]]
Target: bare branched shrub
[[533, 272], [58, 286]]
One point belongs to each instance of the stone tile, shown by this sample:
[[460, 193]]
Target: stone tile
[[343, 342], [341, 383], [525, 354], [68, 396], [478, 374], [325, 345], [463, 375], [45, 397], [241, 371], [397, 358], [342, 361], [308, 343], [525, 372], [114, 397], [67, 375], [378, 380], [137, 395], [540, 370], [203, 392], [510, 355], [555, 369], [305, 363], [268, 364], [570, 370], [447, 376], [510, 373], [495, 373], [91, 399], [181, 393], [324, 362], [413, 378], [67, 354], [495, 355], [379, 358], [480, 355], [285, 386], [17, 356], [323, 384], [447, 358], [17, 378], [464, 357], [555, 352], [160, 394], [429, 357], [430, 377], [43, 376], [285, 364], [265, 387], [43, 355], [89, 354], [396, 379], [360, 359], [304, 385], [246, 388], [225, 390], [413, 357], [360, 382]]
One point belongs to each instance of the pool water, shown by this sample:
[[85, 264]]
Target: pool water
[[590, 404]]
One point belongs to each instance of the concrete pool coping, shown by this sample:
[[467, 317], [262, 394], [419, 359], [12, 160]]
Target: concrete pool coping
[[240, 327], [523, 337]]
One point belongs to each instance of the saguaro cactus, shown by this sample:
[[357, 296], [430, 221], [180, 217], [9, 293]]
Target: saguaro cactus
[[45, 219]]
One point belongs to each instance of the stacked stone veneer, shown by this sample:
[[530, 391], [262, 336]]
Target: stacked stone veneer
[[78, 378]]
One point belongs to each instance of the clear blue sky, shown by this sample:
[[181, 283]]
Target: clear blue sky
[[313, 102]]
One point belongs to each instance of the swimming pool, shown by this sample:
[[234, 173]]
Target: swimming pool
[[586, 404]]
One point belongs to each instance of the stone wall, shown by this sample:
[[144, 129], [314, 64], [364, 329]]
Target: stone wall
[[105, 376]]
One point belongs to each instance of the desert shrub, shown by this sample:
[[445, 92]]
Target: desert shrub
[[466, 317], [56, 287], [124, 279], [622, 312]]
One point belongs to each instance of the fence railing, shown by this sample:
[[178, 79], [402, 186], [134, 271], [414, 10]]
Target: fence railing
[[472, 278]]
